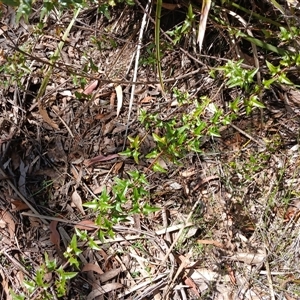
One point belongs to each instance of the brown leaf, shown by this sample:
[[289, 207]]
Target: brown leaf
[[211, 242], [8, 219], [46, 118], [147, 99], [86, 225], [18, 205], [117, 167], [170, 6], [92, 267], [99, 158], [54, 235], [76, 199], [190, 282], [91, 87], [98, 189], [104, 289], [103, 276]]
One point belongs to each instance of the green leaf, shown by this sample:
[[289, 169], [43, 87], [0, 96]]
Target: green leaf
[[274, 70], [135, 155], [153, 154], [93, 205], [157, 138], [11, 2], [68, 275], [73, 245], [93, 245], [254, 102], [269, 82], [74, 261], [50, 264], [39, 279], [81, 234], [29, 285], [147, 209], [158, 168], [214, 132], [16, 297]]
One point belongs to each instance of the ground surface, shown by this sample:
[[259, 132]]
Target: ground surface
[[227, 224]]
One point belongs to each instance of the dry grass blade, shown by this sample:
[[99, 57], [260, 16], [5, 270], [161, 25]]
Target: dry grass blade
[[48, 72], [203, 21], [137, 57]]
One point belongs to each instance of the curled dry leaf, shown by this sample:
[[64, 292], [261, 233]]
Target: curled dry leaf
[[46, 118], [91, 87], [119, 93], [76, 199], [8, 219]]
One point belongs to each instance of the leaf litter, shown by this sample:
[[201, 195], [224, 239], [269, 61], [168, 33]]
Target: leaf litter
[[60, 155]]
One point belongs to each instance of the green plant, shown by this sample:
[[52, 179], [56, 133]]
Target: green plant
[[182, 30], [38, 282], [183, 133], [129, 196]]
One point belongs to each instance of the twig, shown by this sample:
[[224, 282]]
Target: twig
[[180, 232], [137, 57], [35, 212], [269, 278], [262, 144]]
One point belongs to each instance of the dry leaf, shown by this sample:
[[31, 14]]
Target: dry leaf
[[54, 235], [5, 286], [18, 205], [204, 274], [91, 87], [112, 101], [147, 99], [66, 93], [104, 289], [189, 172], [190, 282], [99, 158], [117, 167], [76, 199], [211, 242], [170, 6], [8, 219], [92, 267], [249, 258], [22, 178], [203, 20], [98, 189], [119, 98], [86, 225], [46, 118], [109, 275]]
